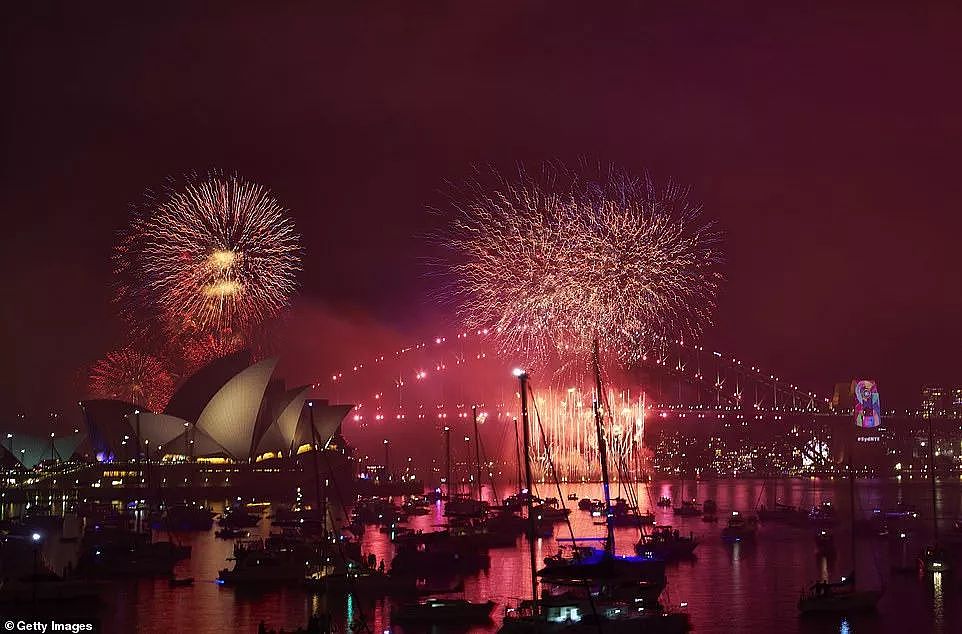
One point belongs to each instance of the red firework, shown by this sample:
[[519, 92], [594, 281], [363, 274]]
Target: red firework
[[215, 256], [132, 376]]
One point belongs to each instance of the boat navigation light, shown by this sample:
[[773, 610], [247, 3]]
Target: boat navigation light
[[35, 537]]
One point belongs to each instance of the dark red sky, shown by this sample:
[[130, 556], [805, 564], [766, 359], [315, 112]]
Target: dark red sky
[[826, 140]]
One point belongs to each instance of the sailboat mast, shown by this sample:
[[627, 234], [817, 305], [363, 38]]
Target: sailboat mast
[[321, 496], [851, 504], [602, 451], [477, 448], [447, 452], [523, 377], [517, 448], [935, 520]]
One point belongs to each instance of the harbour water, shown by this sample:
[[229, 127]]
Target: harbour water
[[740, 587]]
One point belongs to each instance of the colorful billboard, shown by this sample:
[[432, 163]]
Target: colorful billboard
[[868, 413]]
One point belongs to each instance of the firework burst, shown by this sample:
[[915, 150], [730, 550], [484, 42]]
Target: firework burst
[[131, 376], [216, 256], [561, 259]]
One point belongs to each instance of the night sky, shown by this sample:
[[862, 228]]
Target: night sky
[[824, 140]]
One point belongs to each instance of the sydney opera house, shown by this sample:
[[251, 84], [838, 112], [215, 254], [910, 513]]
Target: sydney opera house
[[227, 426]]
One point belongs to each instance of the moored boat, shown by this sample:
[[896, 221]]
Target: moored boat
[[839, 597], [824, 542], [666, 544], [688, 508], [740, 528], [443, 610]]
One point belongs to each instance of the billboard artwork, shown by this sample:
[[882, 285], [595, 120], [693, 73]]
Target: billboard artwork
[[868, 413]]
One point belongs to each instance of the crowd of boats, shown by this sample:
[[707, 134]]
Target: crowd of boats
[[581, 583], [586, 586]]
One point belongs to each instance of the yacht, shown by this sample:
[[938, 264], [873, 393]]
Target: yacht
[[688, 508], [740, 528], [934, 559], [265, 566], [238, 518], [666, 544], [824, 542], [838, 597], [443, 610]]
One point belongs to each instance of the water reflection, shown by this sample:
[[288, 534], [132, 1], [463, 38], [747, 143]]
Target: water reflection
[[744, 586], [938, 603]]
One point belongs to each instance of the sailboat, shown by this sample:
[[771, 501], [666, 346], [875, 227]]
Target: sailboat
[[603, 591], [842, 596], [933, 557]]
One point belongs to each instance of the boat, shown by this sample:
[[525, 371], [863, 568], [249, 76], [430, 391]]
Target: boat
[[377, 511], [587, 504], [550, 511], [823, 515], [264, 566], [572, 496], [902, 562], [117, 552], [901, 511], [874, 526], [782, 514], [664, 502], [356, 578], [740, 528], [516, 501], [443, 611], [569, 553], [824, 543], [843, 596], [184, 517], [462, 506], [505, 523], [934, 557], [688, 508], [609, 578], [415, 508], [295, 517], [838, 597], [231, 533], [623, 514], [666, 544], [440, 557], [577, 614], [238, 518]]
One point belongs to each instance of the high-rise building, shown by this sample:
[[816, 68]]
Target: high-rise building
[[935, 402], [955, 406]]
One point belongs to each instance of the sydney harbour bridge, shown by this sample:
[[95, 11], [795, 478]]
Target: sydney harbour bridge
[[436, 386]]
